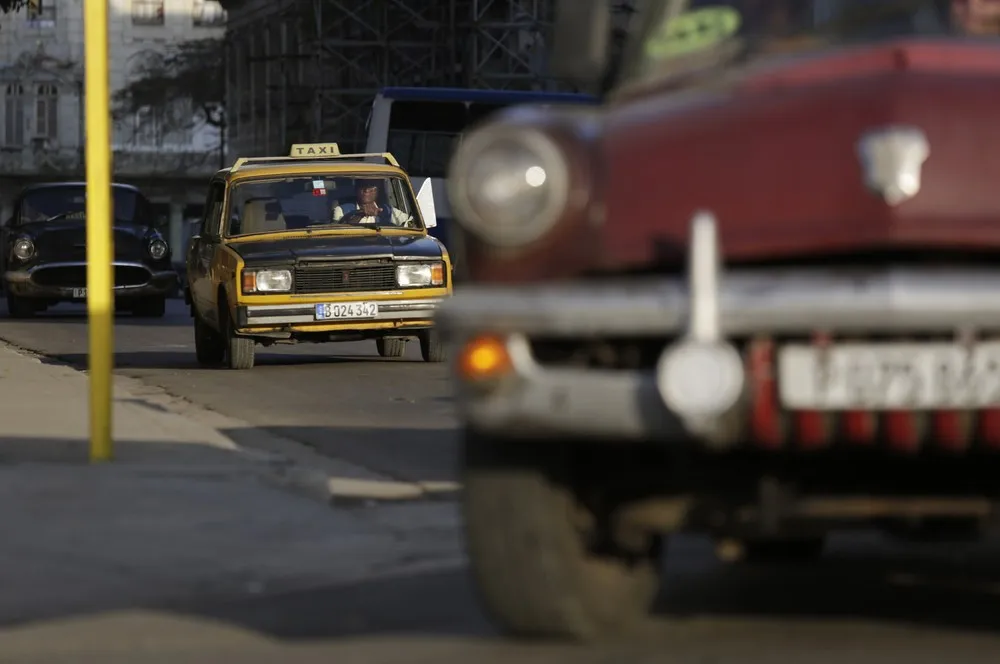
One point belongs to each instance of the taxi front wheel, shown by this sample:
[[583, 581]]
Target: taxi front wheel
[[431, 348], [209, 346], [239, 351]]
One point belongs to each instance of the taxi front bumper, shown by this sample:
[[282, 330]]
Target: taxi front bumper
[[274, 315]]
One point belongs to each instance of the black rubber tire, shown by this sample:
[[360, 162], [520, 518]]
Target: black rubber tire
[[150, 307], [783, 550], [391, 346], [209, 346], [431, 347], [239, 351], [19, 307], [536, 570]]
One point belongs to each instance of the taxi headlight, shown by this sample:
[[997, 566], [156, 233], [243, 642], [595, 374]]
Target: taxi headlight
[[420, 274], [267, 281], [510, 186], [24, 248], [157, 249], [700, 379]]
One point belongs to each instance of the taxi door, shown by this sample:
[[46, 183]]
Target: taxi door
[[201, 253]]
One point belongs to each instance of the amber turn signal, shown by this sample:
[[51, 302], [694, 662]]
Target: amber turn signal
[[249, 282], [484, 358], [437, 274]]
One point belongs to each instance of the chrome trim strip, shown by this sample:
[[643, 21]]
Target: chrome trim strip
[[777, 300]]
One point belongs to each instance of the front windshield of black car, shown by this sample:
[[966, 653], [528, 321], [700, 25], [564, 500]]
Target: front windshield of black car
[[687, 39], [321, 201], [70, 202]]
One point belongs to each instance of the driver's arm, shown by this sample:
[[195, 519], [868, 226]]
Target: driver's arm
[[401, 218]]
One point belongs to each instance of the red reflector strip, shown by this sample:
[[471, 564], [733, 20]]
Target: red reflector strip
[[989, 429], [860, 427], [901, 431], [811, 429], [950, 430], [765, 416]]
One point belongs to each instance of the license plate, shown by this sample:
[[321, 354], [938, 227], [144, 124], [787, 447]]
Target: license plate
[[80, 293], [890, 376], [346, 311]]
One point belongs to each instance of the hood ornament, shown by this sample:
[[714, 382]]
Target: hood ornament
[[892, 159]]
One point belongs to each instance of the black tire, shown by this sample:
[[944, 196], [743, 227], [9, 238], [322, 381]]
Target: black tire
[[239, 351], [209, 346], [391, 346], [431, 347], [773, 551], [150, 307], [538, 571], [19, 307]]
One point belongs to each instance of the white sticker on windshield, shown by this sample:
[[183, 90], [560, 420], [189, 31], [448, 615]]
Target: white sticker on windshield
[[318, 184]]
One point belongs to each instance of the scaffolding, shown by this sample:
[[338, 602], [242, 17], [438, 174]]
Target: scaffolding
[[308, 70]]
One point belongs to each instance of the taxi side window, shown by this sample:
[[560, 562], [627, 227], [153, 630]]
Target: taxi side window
[[213, 210]]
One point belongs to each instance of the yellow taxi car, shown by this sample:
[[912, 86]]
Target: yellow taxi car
[[317, 246]]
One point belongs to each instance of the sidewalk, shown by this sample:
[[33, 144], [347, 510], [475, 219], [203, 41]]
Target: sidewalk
[[183, 511]]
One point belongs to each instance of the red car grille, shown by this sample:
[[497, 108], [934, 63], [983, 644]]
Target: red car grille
[[770, 427]]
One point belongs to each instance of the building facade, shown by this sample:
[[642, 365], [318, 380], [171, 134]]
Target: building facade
[[42, 129]]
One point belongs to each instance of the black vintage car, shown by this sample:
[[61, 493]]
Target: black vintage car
[[44, 251]]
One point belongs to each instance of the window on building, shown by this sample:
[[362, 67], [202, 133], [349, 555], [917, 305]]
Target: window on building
[[41, 13], [208, 14], [47, 111], [148, 131], [14, 115], [147, 12]]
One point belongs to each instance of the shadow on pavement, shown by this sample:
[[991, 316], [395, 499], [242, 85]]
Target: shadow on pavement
[[861, 579], [404, 454], [78, 315], [266, 359]]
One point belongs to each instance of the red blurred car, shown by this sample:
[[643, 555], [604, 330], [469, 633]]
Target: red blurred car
[[755, 295]]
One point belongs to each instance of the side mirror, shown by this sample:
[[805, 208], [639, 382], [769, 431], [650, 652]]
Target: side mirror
[[425, 200], [581, 42]]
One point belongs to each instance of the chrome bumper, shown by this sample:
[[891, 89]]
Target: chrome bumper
[[703, 309], [295, 314], [21, 282]]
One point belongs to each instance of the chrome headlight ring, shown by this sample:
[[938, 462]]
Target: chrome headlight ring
[[509, 185], [24, 248], [158, 249]]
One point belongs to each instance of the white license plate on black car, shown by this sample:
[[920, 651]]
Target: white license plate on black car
[[80, 293], [904, 376], [347, 311]]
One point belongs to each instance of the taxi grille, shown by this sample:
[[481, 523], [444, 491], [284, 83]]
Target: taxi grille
[[345, 277]]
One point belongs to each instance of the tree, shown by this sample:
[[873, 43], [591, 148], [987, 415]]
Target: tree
[[8, 6], [190, 72]]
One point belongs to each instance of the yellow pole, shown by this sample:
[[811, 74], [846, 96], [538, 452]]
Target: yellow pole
[[100, 241]]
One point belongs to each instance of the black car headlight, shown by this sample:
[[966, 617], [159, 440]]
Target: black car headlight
[[24, 248], [267, 281], [416, 275], [158, 249]]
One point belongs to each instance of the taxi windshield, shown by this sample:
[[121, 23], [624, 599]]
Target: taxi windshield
[[687, 39], [310, 202]]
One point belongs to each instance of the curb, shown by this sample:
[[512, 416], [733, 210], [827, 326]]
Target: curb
[[275, 460]]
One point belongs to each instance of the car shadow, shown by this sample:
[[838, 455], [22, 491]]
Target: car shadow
[[185, 360]]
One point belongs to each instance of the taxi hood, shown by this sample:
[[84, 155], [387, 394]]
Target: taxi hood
[[290, 250]]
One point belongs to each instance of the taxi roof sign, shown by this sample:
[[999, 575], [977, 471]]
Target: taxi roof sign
[[315, 150]]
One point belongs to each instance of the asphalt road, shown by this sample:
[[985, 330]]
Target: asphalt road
[[392, 416], [869, 602]]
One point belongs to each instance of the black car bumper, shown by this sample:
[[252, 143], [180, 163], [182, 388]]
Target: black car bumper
[[68, 281]]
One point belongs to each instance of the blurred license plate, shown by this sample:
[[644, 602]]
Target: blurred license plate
[[80, 293], [889, 376], [346, 311]]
